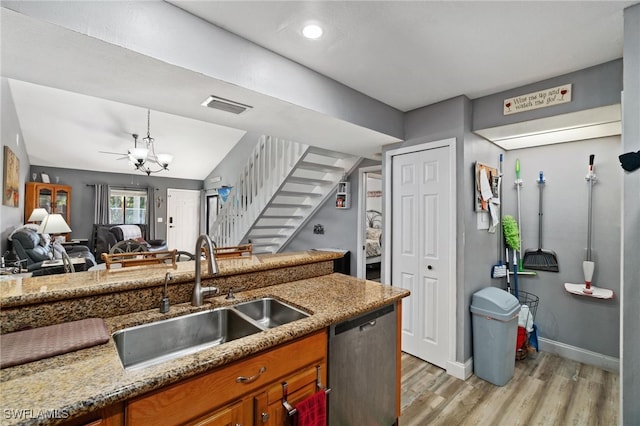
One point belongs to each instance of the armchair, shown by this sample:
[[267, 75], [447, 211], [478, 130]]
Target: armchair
[[106, 236], [34, 249]]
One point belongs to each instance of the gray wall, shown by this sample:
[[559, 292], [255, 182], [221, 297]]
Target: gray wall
[[10, 217], [593, 87], [630, 318], [562, 317], [82, 195], [587, 323]]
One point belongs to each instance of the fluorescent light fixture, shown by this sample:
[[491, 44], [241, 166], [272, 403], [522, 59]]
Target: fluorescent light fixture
[[312, 31], [581, 125]]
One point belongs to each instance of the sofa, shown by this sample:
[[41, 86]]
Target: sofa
[[33, 248], [105, 236]]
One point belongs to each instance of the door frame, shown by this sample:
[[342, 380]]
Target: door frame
[[453, 368], [361, 265]]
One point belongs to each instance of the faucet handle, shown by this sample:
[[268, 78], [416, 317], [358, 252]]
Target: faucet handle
[[230, 295]]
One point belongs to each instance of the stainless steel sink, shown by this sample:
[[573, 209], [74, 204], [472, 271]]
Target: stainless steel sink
[[269, 312], [150, 344]]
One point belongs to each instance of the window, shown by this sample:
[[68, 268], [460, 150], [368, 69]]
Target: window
[[127, 206]]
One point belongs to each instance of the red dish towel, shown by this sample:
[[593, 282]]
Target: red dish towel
[[312, 411], [25, 346]]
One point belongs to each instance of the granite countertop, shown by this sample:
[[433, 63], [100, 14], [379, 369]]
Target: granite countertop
[[26, 291], [89, 379]]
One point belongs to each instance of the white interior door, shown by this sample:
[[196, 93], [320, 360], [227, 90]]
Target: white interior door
[[183, 219], [420, 258]]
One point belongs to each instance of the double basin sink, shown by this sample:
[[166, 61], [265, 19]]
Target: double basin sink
[[150, 344]]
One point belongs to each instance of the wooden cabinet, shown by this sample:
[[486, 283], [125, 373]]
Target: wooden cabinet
[[246, 392], [269, 410], [51, 197]]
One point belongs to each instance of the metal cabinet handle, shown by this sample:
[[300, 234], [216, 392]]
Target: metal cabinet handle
[[265, 417], [368, 325], [242, 379]]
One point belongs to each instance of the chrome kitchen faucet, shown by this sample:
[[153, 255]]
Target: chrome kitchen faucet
[[198, 290]]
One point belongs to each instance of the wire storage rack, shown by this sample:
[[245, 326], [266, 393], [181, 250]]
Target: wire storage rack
[[528, 308]]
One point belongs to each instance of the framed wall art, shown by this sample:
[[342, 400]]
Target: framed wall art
[[11, 179]]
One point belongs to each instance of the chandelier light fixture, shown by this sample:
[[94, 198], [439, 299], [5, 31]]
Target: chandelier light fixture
[[144, 157]]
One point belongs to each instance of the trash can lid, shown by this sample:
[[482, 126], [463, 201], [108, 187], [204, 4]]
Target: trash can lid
[[495, 303]]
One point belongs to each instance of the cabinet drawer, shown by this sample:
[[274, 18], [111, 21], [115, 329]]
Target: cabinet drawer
[[194, 397]]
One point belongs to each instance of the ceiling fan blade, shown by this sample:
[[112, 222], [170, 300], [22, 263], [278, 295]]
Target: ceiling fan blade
[[123, 156]]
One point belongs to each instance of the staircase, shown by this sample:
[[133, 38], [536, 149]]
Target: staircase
[[279, 189]]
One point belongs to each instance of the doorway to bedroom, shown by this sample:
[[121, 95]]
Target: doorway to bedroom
[[370, 223]]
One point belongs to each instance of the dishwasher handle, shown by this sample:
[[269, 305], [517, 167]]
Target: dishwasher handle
[[368, 325], [362, 322]]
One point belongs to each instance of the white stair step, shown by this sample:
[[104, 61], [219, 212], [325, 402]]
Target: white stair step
[[297, 194], [309, 181], [289, 206], [274, 227], [274, 216], [266, 236], [316, 167]]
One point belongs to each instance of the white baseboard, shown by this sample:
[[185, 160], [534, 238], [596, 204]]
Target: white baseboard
[[459, 370], [580, 355]]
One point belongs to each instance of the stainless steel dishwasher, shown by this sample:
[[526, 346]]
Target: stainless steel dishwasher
[[362, 369]]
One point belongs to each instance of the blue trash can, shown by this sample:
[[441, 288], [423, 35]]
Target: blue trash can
[[495, 331]]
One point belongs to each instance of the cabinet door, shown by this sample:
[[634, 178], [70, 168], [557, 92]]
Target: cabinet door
[[228, 416], [62, 203], [45, 198], [269, 410]]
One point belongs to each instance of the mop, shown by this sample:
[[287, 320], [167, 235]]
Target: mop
[[588, 265]]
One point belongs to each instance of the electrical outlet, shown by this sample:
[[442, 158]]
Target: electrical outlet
[[483, 220]]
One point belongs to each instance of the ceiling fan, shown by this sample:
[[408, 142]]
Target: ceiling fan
[[141, 157]]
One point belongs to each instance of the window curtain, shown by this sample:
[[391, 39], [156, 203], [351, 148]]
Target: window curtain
[[101, 204], [151, 212]]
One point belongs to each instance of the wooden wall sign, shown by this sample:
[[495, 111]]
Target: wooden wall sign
[[541, 99]]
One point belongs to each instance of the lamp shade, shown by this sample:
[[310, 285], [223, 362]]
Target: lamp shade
[[139, 155], [164, 159], [54, 224], [37, 215]]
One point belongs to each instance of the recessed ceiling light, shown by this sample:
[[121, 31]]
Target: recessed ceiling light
[[312, 31]]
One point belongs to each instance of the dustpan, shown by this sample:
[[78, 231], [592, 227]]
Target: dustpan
[[540, 259]]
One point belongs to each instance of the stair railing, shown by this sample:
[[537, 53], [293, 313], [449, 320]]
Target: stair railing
[[270, 163]]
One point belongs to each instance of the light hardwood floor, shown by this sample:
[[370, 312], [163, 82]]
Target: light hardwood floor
[[545, 390]]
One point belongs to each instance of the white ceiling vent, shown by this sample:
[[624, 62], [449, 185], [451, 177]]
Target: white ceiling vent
[[225, 105]]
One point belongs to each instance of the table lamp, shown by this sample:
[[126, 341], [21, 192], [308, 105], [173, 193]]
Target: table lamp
[[53, 224], [37, 215]]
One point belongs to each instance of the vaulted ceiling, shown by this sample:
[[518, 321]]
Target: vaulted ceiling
[[402, 54]]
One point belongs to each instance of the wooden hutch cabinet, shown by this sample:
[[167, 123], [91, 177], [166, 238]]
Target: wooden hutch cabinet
[[51, 197]]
